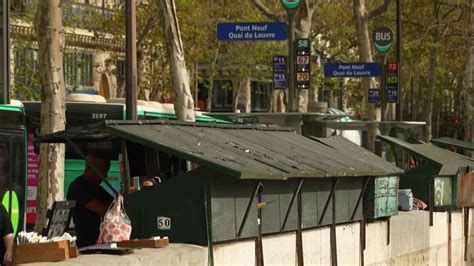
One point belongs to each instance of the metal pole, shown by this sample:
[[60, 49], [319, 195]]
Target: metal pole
[[341, 95], [131, 60], [321, 99], [299, 233], [291, 61], [399, 115], [383, 87], [196, 84], [412, 108], [260, 261], [210, 240], [5, 50], [333, 237], [125, 168]]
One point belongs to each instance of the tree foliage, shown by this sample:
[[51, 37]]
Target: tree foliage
[[333, 38]]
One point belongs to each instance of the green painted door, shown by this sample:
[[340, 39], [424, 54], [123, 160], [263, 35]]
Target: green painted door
[[385, 196]]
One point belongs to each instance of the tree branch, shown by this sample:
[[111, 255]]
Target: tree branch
[[267, 12], [380, 9], [448, 13], [150, 23]]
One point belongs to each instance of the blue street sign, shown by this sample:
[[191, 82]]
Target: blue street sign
[[392, 94], [374, 95], [279, 72], [333, 70], [279, 81], [251, 31]]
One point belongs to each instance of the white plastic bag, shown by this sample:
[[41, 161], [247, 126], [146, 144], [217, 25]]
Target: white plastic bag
[[116, 225]]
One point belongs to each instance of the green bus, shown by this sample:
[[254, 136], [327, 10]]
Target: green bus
[[82, 113], [13, 171]]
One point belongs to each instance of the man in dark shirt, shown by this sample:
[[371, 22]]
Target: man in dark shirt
[[6, 232], [92, 201]]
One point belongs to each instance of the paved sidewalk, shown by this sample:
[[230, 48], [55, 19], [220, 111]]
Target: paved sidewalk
[[173, 254]]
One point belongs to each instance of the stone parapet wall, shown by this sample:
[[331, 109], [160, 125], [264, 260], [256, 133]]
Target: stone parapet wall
[[412, 242]]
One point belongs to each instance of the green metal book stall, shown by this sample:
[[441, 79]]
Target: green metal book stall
[[381, 197], [223, 183], [433, 174], [454, 144]]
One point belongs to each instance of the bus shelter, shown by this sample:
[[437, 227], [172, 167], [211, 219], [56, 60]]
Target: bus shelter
[[234, 182], [432, 175]]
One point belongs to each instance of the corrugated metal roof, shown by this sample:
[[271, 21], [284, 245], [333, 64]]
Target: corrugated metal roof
[[448, 162], [363, 125], [454, 142], [246, 152], [359, 154]]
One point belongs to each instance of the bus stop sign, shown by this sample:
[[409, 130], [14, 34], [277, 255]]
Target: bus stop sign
[[290, 4], [383, 38]]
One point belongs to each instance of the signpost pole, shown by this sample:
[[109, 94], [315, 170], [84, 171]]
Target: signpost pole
[[382, 38], [341, 95], [291, 8], [291, 60], [383, 86]]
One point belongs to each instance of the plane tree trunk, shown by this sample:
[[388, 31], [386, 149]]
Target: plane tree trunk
[[184, 103], [49, 30]]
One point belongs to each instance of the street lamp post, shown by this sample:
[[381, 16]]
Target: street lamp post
[[131, 60], [130, 81], [5, 52]]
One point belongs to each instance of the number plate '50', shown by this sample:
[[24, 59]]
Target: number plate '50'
[[164, 223]]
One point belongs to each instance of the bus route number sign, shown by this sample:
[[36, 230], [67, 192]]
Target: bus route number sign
[[303, 64], [302, 60], [279, 72], [302, 76], [392, 82]]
